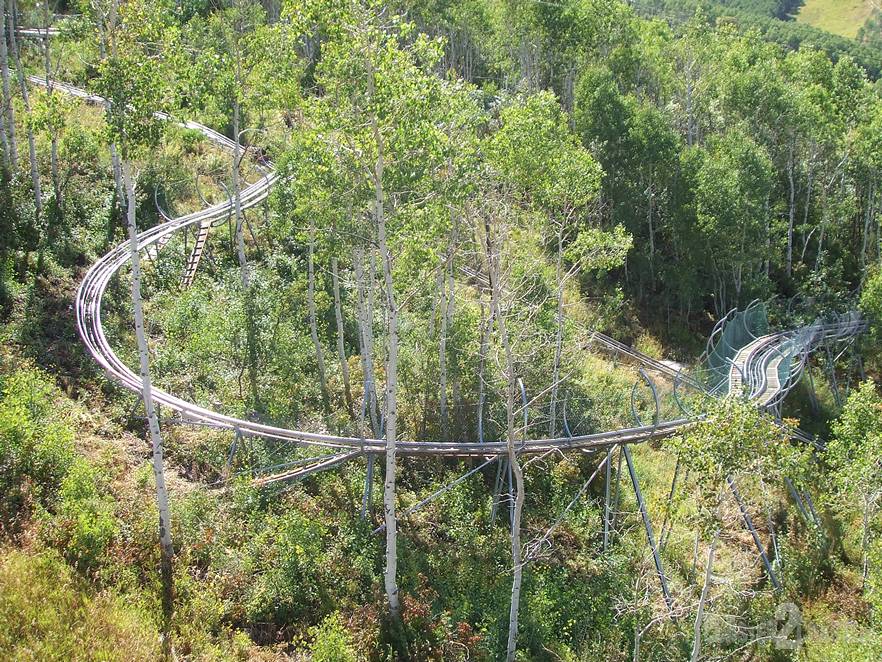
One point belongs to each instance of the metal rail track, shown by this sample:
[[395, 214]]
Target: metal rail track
[[90, 295]]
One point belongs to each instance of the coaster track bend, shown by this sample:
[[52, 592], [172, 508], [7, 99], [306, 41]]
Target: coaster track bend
[[757, 366]]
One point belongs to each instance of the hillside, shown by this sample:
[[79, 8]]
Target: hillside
[[842, 17], [377, 331]]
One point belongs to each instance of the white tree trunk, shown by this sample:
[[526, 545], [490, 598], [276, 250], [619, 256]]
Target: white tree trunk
[[516, 552], [341, 349], [165, 539], [10, 151], [390, 576], [699, 614], [237, 200], [313, 323], [32, 149]]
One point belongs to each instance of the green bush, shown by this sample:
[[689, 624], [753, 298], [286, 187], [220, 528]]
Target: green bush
[[36, 448], [847, 642], [331, 642], [84, 525], [286, 559]]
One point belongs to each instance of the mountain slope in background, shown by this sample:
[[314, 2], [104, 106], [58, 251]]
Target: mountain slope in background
[[842, 17]]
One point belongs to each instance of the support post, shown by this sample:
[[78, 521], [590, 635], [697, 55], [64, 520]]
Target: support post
[[661, 536], [650, 536], [615, 508], [756, 539], [797, 499], [808, 500], [232, 453]]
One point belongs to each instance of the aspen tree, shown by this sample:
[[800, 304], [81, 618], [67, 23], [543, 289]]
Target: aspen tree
[[12, 10], [131, 81]]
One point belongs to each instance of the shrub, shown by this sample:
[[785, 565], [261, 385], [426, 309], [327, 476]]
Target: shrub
[[331, 642], [36, 448], [84, 525], [288, 563]]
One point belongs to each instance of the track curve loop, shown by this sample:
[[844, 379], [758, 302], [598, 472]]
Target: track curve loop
[[91, 291]]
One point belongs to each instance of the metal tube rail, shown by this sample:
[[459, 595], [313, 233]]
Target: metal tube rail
[[88, 313]]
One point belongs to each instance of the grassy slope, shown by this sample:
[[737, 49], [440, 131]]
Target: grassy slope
[[842, 17]]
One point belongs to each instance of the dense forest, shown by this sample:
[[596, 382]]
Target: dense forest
[[421, 330]]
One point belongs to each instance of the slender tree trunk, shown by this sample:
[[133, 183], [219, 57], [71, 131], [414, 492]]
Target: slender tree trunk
[[868, 217], [514, 464], [451, 314], [791, 217], [390, 576], [442, 353], [53, 153], [237, 199], [10, 150], [699, 614], [808, 199], [437, 304], [865, 540], [366, 340], [650, 203], [341, 349], [486, 326], [313, 323], [4, 136], [371, 312], [690, 118], [165, 539], [820, 245], [244, 270], [558, 340], [32, 149], [114, 154]]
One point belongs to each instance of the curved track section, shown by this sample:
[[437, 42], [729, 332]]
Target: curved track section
[[89, 323], [766, 369]]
